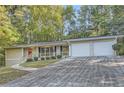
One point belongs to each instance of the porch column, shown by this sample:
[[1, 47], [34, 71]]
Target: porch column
[[45, 53], [61, 50], [55, 51], [39, 53], [49, 52], [53, 54]]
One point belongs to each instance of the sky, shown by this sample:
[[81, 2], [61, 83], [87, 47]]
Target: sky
[[76, 7]]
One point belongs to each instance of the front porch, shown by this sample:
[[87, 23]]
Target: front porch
[[52, 52], [47, 52]]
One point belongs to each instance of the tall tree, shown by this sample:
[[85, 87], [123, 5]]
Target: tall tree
[[84, 18], [47, 21], [84, 21], [19, 16], [117, 20], [100, 18], [8, 34]]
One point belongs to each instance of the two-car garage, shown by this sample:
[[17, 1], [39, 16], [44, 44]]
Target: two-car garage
[[101, 47]]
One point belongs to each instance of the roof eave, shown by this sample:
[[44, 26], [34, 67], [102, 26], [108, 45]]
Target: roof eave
[[94, 38]]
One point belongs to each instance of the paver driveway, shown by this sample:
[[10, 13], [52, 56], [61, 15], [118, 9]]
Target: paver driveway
[[76, 72]]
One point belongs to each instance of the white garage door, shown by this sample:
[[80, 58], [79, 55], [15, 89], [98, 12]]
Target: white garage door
[[82, 49], [103, 48]]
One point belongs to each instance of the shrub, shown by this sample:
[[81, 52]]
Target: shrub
[[121, 51], [2, 63], [35, 58], [47, 58], [59, 56], [29, 60], [115, 47], [42, 58], [119, 47], [53, 57]]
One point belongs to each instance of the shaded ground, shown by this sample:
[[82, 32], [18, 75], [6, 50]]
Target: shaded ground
[[77, 72], [8, 74]]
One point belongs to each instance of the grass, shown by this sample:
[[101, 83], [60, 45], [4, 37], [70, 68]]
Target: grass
[[38, 64], [8, 74]]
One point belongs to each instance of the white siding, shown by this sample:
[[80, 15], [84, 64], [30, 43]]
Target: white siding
[[14, 56], [82, 49], [92, 48], [103, 48]]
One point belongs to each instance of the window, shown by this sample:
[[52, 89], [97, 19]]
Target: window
[[47, 51], [42, 51]]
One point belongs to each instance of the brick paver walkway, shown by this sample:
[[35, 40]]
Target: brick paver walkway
[[76, 72]]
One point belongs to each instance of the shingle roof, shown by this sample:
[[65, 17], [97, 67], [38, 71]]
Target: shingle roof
[[40, 44]]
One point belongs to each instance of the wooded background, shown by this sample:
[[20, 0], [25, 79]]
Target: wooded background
[[29, 24]]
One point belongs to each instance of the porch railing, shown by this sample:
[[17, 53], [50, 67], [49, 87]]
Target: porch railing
[[63, 54]]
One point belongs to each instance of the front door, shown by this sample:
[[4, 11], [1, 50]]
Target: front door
[[29, 52]]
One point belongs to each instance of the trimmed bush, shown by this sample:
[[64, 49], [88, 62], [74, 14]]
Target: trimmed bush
[[59, 56], [47, 58], [42, 58], [29, 60], [35, 58], [53, 57]]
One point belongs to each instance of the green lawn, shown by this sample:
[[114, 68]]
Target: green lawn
[[38, 64], [8, 74]]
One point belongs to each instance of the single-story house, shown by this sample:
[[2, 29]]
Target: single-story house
[[93, 46]]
